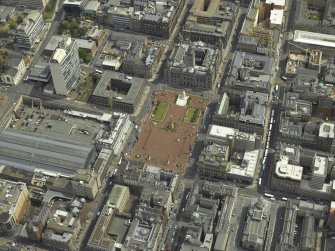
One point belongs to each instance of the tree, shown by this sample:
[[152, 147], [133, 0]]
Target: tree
[[3, 53], [12, 25], [19, 19], [84, 55]]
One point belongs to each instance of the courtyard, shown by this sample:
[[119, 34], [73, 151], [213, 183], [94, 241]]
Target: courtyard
[[169, 132]]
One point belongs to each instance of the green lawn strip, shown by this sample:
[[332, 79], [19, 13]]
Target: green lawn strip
[[192, 115], [160, 111], [50, 9]]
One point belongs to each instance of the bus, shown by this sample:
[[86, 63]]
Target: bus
[[268, 195], [272, 113], [270, 127], [98, 71], [260, 181], [284, 199], [271, 120], [284, 78]]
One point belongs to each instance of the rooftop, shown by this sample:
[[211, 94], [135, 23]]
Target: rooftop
[[85, 44], [9, 193], [117, 195], [327, 130], [287, 171], [92, 6], [320, 165], [221, 131], [276, 2], [112, 84], [29, 151], [53, 43], [194, 57], [253, 108], [276, 16], [313, 38], [248, 166], [5, 12]]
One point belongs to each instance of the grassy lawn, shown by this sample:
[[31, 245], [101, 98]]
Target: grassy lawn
[[192, 116], [160, 111], [50, 9]]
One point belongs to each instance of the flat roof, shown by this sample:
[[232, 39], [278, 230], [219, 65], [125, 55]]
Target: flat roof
[[320, 39], [320, 165], [276, 2], [276, 16], [288, 171], [103, 87], [85, 44], [248, 167], [221, 131], [327, 130], [92, 6], [53, 43], [117, 195]]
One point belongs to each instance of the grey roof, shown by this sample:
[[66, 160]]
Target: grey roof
[[85, 44], [241, 57], [13, 61], [5, 11], [307, 233], [103, 88], [30, 150], [53, 43]]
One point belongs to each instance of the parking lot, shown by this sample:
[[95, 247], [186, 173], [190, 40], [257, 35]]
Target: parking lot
[[55, 123]]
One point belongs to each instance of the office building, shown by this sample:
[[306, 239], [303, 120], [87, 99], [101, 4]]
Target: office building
[[320, 166], [308, 235], [142, 60], [91, 9], [15, 198], [243, 166], [88, 46], [119, 17], [323, 20], [119, 197], [193, 65], [287, 235], [40, 72], [35, 227], [62, 230], [28, 32], [26, 4], [297, 109], [65, 66], [239, 141], [250, 72], [118, 91], [213, 162], [256, 225], [74, 8], [212, 24], [156, 18], [251, 117], [85, 184]]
